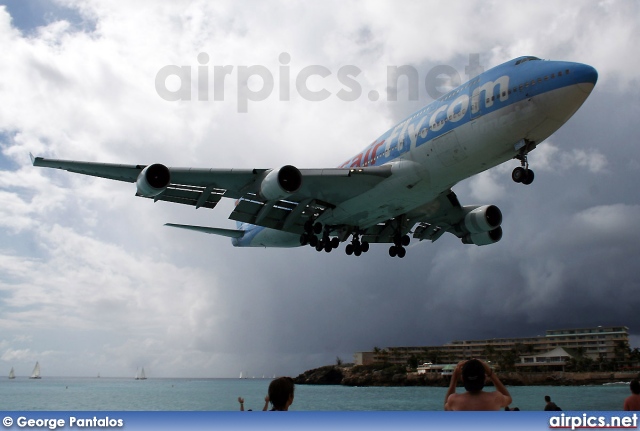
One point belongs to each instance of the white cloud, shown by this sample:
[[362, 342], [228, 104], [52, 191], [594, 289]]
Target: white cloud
[[549, 157]]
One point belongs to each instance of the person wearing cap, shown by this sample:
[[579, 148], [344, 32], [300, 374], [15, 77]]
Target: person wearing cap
[[473, 373]]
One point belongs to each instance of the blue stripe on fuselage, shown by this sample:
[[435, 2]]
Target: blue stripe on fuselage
[[508, 83]]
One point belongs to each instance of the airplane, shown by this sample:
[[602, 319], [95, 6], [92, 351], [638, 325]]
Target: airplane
[[400, 185]]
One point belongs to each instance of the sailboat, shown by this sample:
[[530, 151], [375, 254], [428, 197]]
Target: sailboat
[[12, 374], [141, 375], [36, 372], [240, 375]]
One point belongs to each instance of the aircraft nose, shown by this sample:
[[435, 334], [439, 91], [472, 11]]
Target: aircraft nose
[[587, 74], [586, 77]]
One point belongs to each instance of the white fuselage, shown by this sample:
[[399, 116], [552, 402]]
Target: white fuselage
[[475, 127]]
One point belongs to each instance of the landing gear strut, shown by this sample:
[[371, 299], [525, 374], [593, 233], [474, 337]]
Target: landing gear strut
[[523, 174]]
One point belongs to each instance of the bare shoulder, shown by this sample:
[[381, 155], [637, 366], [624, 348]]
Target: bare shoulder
[[499, 399], [476, 402]]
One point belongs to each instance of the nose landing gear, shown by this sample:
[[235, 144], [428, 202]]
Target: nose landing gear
[[522, 174]]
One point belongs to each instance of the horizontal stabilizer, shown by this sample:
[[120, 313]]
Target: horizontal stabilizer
[[231, 233]]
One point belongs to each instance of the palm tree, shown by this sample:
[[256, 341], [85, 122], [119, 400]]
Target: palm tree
[[376, 353], [621, 351]]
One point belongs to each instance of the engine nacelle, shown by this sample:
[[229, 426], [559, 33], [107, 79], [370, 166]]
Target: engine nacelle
[[153, 180], [484, 238], [482, 219], [280, 183]]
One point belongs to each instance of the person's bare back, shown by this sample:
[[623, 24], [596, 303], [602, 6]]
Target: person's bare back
[[473, 373], [477, 401]]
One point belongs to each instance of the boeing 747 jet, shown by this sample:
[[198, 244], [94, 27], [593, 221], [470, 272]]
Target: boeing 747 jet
[[399, 186]]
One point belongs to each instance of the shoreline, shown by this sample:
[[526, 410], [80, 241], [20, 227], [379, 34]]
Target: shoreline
[[394, 376]]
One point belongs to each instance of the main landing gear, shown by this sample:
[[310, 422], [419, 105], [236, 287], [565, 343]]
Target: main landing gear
[[311, 230], [356, 247], [398, 249], [522, 174]]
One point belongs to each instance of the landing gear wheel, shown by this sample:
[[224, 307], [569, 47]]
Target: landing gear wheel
[[335, 242], [519, 174], [405, 240], [349, 249], [319, 246], [313, 241], [392, 251], [303, 239], [528, 177], [317, 228], [364, 246], [401, 252], [327, 247]]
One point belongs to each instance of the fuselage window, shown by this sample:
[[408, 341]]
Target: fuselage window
[[553, 75], [560, 74], [546, 78]]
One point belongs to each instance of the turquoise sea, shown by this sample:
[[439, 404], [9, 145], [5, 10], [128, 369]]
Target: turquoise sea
[[126, 394]]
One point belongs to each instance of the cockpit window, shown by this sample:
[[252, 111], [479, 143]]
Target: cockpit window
[[525, 59]]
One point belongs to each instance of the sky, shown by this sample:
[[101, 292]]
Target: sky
[[92, 282]]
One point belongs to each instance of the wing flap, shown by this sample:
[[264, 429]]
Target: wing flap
[[207, 197]]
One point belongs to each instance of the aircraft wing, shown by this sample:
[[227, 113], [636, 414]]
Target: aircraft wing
[[261, 199], [473, 224]]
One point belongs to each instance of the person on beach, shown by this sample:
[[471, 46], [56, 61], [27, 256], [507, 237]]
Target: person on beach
[[632, 402], [281, 393], [550, 406], [264, 409], [473, 373]]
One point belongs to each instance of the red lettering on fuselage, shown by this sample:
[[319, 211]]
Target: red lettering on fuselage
[[357, 161], [372, 161]]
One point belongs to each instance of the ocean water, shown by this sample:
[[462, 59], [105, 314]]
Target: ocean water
[[120, 394]]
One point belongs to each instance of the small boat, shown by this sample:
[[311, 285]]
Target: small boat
[[36, 372], [141, 375], [12, 374]]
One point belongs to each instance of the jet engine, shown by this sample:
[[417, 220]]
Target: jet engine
[[482, 219], [153, 180], [480, 225], [280, 183], [484, 238]]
